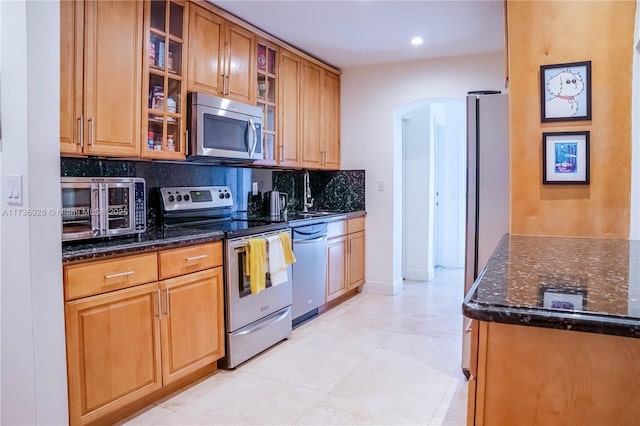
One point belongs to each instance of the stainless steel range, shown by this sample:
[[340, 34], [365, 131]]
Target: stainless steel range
[[254, 322]]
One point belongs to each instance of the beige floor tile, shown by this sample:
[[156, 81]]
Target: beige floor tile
[[184, 397], [313, 368], [442, 354], [250, 399], [346, 338], [407, 387], [453, 406], [147, 416], [334, 410]]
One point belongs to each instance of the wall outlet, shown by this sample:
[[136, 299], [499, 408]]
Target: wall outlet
[[254, 188], [381, 185]]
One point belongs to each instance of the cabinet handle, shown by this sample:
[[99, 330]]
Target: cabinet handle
[[119, 274], [159, 314], [166, 298], [202, 256], [186, 142], [91, 131], [81, 130], [226, 90]]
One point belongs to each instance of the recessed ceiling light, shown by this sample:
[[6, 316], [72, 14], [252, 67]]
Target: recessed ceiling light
[[416, 41]]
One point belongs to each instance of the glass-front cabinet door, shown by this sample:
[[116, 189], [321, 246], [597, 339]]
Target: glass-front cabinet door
[[267, 100], [165, 98]]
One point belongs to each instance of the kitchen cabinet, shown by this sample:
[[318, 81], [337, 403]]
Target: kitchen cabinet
[[346, 260], [130, 335], [310, 117], [289, 154], [100, 78], [267, 99], [552, 376], [221, 57], [113, 351], [165, 100], [330, 136]]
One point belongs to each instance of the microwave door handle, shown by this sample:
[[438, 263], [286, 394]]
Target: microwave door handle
[[104, 214], [95, 210], [252, 126]]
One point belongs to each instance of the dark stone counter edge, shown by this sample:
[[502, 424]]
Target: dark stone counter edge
[[561, 320], [141, 247], [109, 250]]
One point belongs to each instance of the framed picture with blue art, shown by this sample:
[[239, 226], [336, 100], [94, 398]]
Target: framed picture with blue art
[[565, 91], [565, 158]]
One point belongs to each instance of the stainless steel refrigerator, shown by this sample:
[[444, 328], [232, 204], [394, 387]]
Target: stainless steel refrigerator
[[487, 188]]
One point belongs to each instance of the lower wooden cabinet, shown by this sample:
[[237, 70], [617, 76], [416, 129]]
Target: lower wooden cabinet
[[125, 344], [192, 322], [346, 256], [113, 351]]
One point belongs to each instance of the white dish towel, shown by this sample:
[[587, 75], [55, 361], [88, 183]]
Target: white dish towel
[[275, 256]]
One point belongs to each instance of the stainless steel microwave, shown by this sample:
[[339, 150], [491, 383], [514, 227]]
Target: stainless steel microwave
[[94, 207], [223, 129]]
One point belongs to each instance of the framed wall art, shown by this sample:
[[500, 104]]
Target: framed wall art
[[565, 158], [565, 91]]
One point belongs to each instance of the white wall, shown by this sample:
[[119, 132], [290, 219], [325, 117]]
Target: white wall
[[417, 238], [369, 96], [33, 366]]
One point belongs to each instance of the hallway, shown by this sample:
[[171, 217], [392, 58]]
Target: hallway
[[372, 360]]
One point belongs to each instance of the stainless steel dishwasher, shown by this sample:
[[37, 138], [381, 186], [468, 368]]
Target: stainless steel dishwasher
[[309, 272]]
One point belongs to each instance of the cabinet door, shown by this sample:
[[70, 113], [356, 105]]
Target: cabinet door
[[330, 121], [113, 77], [336, 267], [310, 117], [113, 351], [193, 322], [289, 102], [71, 55], [356, 259], [206, 35], [240, 68]]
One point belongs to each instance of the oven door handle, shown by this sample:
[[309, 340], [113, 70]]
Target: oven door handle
[[262, 324]]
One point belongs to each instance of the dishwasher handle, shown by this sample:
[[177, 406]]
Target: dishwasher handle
[[314, 240]]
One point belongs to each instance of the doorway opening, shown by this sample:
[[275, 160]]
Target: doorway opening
[[433, 186]]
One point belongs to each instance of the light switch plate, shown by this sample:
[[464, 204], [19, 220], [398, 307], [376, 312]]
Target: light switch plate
[[381, 185], [14, 189], [254, 188]]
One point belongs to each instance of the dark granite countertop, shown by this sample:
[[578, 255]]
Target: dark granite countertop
[[157, 239], [582, 284], [149, 241]]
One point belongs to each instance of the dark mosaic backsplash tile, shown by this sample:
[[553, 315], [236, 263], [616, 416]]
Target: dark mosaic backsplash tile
[[156, 174], [342, 190]]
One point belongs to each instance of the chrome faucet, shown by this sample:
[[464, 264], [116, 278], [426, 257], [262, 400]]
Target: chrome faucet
[[308, 201]]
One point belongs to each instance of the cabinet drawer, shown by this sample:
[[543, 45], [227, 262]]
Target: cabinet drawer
[[86, 279], [185, 260], [336, 229], [355, 225]]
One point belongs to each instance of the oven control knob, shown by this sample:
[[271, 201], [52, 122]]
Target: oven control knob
[[171, 198], [186, 197], [227, 195], [221, 195], [179, 197]]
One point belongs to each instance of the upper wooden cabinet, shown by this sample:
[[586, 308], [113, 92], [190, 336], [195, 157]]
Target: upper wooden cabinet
[[267, 99], [289, 102], [221, 57], [165, 56], [100, 83], [330, 136], [310, 120]]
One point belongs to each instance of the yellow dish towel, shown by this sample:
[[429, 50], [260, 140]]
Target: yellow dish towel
[[289, 258], [256, 255]]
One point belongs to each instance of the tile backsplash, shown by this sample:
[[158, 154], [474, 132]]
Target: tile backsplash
[[342, 190]]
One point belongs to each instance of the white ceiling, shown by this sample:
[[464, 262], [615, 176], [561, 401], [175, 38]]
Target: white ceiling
[[367, 32]]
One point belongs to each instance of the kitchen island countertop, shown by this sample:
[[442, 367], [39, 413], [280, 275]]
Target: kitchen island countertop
[[580, 284]]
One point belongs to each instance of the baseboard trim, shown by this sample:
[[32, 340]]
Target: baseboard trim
[[385, 289], [417, 274]]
